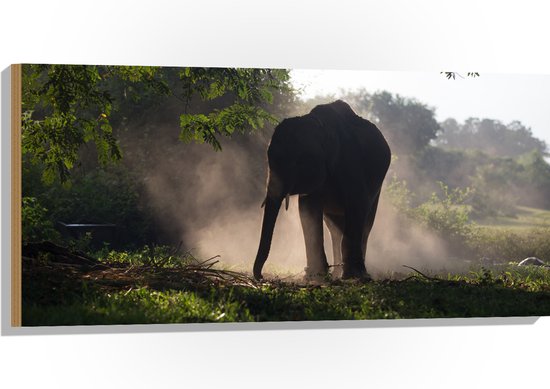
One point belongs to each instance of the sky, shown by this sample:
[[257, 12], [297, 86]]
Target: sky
[[505, 97]]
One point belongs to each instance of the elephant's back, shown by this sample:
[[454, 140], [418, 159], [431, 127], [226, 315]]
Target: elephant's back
[[362, 143], [339, 116], [336, 113]]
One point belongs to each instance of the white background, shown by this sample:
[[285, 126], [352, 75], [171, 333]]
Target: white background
[[503, 36]]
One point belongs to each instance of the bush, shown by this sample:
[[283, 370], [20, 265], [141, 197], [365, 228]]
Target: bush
[[100, 195], [35, 224], [446, 214]]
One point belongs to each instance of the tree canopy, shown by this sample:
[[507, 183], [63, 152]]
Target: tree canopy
[[66, 106], [490, 136], [408, 124]]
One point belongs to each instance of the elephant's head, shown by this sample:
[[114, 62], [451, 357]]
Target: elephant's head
[[298, 160]]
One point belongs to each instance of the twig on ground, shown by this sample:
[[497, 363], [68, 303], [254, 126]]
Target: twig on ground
[[420, 273]]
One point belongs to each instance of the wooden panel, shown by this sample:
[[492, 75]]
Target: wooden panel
[[16, 109]]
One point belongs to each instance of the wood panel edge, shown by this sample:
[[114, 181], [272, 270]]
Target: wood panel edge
[[16, 261]]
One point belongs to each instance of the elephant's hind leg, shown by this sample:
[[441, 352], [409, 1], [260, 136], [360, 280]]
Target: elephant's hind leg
[[335, 224], [352, 250], [369, 224], [311, 216]]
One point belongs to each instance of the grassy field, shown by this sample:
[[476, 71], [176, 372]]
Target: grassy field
[[155, 286], [506, 239], [525, 218]]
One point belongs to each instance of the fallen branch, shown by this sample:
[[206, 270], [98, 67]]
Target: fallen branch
[[421, 274], [47, 257], [58, 254]]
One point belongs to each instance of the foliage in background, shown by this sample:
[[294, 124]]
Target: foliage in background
[[408, 124], [490, 136], [536, 175], [449, 215], [501, 183], [102, 195], [36, 225], [445, 213]]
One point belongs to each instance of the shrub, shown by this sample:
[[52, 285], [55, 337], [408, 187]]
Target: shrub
[[35, 224], [446, 214], [98, 195]]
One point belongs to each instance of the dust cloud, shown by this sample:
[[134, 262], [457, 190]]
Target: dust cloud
[[396, 241], [211, 201]]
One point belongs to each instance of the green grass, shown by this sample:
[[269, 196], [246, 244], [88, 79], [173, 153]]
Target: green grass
[[526, 218], [137, 306], [510, 244], [507, 239], [510, 291]]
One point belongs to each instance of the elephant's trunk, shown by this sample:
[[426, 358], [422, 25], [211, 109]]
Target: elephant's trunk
[[271, 210]]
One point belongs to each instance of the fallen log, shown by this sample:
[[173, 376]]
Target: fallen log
[[59, 254]]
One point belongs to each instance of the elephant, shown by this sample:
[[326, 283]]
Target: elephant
[[335, 161]]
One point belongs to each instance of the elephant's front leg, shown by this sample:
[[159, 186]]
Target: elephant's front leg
[[311, 216]]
